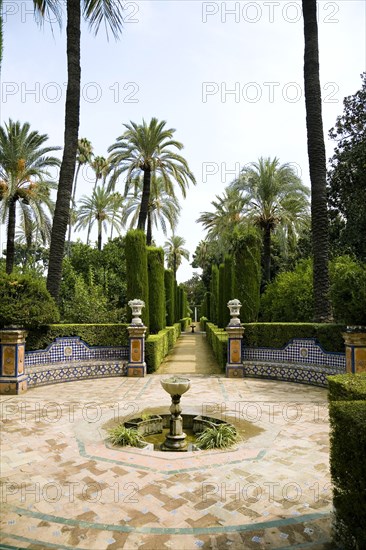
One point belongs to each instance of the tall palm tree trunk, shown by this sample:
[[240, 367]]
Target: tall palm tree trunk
[[149, 229], [10, 251], [72, 110], [317, 164], [267, 254], [99, 235], [90, 220], [145, 200]]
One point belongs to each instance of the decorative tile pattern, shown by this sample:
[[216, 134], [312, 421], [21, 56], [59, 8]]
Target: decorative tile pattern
[[68, 359], [74, 349], [301, 360]]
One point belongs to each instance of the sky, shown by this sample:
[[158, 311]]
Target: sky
[[228, 76]]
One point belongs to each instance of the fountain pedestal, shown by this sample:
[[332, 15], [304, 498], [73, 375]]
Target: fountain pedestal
[[176, 438]]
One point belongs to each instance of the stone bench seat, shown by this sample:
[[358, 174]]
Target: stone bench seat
[[54, 373], [303, 373]]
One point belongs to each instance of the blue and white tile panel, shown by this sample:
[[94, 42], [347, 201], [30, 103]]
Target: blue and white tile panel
[[300, 351], [74, 349], [67, 372], [303, 374]]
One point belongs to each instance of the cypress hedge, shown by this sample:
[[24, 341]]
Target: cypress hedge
[[247, 274], [229, 288], [169, 296], [214, 293], [93, 335], [155, 268], [136, 271], [220, 305], [347, 413]]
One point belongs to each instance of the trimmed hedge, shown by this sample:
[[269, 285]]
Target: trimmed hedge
[[93, 335], [158, 345], [221, 300], [277, 335], [169, 296], [155, 268], [136, 271], [184, 323], [217, 338], [248, 273], [203, 322], [214, 293], [229, 288], [347, 460], [347, 387]]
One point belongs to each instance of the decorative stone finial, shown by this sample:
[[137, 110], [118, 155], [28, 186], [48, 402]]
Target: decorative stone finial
[[234, 307], [136, 306]]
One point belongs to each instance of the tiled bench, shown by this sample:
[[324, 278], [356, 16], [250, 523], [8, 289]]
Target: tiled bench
[[70, 359], [302, 360]]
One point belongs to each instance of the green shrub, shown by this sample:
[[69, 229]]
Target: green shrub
[[348, 291], [221, 305], [125, 436], [155, 264], [169, 296], [347, 387], [184, 323], [289, 298], [217, 339], [136, 271], [203, 321], [25, 302], [347, 466], [158, 345], [247, 273], [277, 335], [222, 436], [214, 293], [93, 335]]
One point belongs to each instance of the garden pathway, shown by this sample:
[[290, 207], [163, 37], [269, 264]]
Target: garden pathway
[[191, 355]]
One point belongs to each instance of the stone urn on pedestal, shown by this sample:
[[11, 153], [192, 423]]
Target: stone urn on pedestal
[[176, 386]]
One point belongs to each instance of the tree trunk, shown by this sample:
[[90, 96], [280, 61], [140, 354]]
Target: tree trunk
[[317, 165], [10, 252], [99, 235], [90, 219], [72, 206], [62, 210], [267, 254], [149, 229], [145, 200]]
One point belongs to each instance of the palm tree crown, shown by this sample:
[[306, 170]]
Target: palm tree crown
[[24, 179], [274, 197], [175, 252], [147, 148]]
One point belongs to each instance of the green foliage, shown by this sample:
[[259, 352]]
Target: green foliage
[[348, 291], [125, 436], [247, 272], [290, 297], [184, 323], [169, 296], [25, 302], [347, 387], [195, 290], [229, 287], [136, 273], [203, 321], [222, 436], [214, 293], [347, 467], [217, 339], [93, 335], [221, 305], [158, 345], [155, 267], [277, 335]]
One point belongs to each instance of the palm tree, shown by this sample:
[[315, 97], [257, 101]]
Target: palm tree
[[174, 252], [102, 208], [228, 213], [146, 148], [24, 178], [100, 166], [274, 197], [96, 12], [84, 156], [317, 164], [162, 208]]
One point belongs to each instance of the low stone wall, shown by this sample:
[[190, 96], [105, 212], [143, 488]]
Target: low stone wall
[[70, 359], [302, 360]]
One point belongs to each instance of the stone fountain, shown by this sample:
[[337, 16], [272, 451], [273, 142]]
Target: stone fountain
[[176, 386]]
